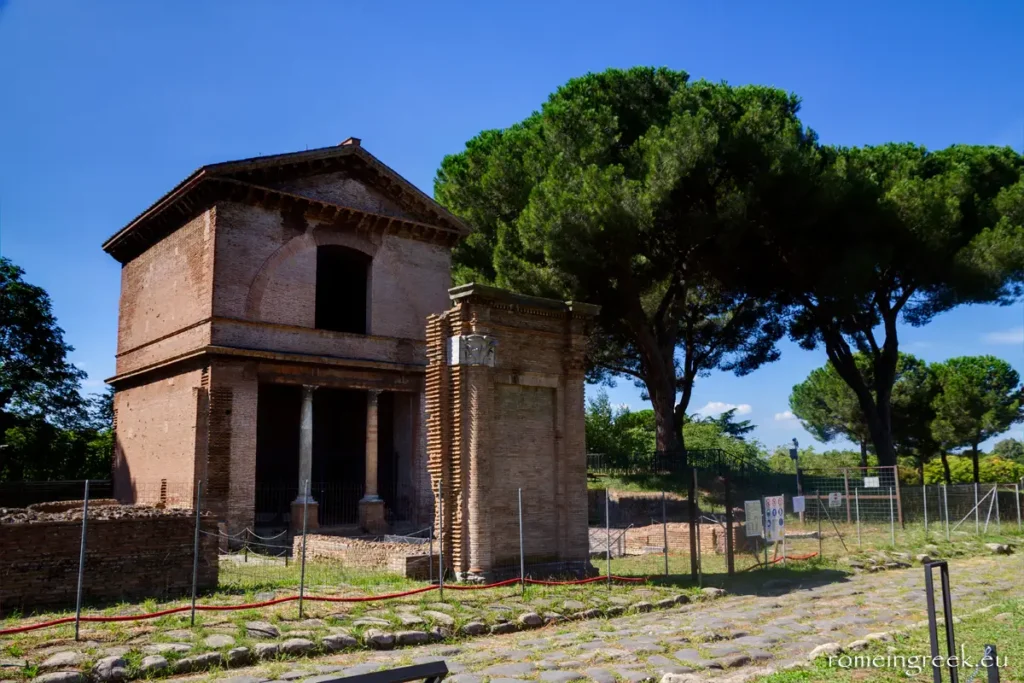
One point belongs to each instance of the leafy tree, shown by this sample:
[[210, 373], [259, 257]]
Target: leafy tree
[[614, 192], [37, 382], [727, 423], [992, 470], [880, 235], [828, 408], [812, 461], [980, 397], [618, 433], [1009, 449]]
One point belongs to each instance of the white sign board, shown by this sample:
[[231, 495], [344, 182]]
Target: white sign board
[[798, 504], [775, 517], [871, 482], [752, 511], [835, 499]]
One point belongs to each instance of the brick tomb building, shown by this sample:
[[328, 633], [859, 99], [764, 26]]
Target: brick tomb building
[[273, 330]]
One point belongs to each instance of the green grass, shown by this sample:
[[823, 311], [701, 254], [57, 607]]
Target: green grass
[[972, 633]]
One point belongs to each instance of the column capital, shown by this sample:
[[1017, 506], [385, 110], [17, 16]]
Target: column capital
[[308, 389], [374, 394]]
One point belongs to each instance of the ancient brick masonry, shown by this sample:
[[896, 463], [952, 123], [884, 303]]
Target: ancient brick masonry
[[505, 411], [125, 559]]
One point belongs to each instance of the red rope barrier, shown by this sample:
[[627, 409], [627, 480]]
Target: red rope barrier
[[314, 598]]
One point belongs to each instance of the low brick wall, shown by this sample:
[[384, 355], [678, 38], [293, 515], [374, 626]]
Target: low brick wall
[[712, 538], [126, 558], [637, 508], [404, 559]]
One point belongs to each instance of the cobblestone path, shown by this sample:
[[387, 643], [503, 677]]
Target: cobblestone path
[[734, 638]]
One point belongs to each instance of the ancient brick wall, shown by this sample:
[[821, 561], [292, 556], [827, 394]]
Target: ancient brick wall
[[712, 538], [504, 412], [125, 559], [165, 295], [266, 272], [155, 437]]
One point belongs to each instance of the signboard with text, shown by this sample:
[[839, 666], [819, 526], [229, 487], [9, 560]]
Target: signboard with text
[[835, 499], [752, 511], [774, 517], [871, 482]]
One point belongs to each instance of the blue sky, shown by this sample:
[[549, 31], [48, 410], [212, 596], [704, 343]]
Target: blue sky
[[104, 106]]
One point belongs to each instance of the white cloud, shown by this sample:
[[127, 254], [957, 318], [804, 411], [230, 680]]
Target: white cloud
[[1013, 335], [717, 408], [787, 415]]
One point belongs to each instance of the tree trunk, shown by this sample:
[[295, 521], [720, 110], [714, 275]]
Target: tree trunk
[[666, 437], [945, 468], [974, 461], [863, 453]]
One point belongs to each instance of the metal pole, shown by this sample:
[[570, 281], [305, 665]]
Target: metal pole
[[608, 536], [302, 571], [977, 516], [899, 497], [817, 516], [1016, 497], [993, 667], [892, 519], [999, 522], [730, 549], [924, 498], [522, 557], [856, 500], [764, 528], [195, 550], [846, 491], [430, 556], [783, 525], [81, 559], [664, 530], [700, 558], [440, 541], [945, 507]]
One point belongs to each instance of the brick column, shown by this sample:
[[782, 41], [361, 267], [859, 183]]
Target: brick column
[[303, 504], [371, 507]]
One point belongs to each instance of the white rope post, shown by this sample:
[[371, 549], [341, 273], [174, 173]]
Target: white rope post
[[81, 559]]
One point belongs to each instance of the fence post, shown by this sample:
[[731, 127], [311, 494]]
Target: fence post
[[892, 519], [1016, 497], [945, 508], [691, 505], [999, 523], [195, 549], [817, 517], [700, 559], [430, 556], [664, 530], [856, 500], [783, 525], [608, 535], [440, 540], [977, 515], [899, 496], [729, 546], [522, 557], [302, 571], [924, 498], [764, 527], [81, 559], [846, 489]]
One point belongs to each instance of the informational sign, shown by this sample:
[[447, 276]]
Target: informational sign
[[798, 504], [871, 482], [775, 517], [752, 510], [835, 500]]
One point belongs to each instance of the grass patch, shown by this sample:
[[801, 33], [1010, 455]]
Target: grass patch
[[908, 658]]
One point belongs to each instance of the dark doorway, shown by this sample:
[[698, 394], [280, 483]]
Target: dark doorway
[[387, 466], [278, 410], [341, 289], [339, 454]]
